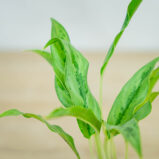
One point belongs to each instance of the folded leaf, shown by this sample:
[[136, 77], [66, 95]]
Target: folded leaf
[[132, 94], [54, 128], [130, 131], [134, 4], [81, 113]]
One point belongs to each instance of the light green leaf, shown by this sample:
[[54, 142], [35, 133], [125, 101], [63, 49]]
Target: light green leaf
[[133, 5], [154, 77], [74, 89], [79, 112], [54, 128], [58, 31], [132, 94], [46, 55], [153, 96], [143, 112], [131, 132]]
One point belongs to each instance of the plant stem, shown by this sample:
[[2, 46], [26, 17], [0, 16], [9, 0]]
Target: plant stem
[[113, 148], [126, 149], [91, 148], [99, 146], [101, 93]]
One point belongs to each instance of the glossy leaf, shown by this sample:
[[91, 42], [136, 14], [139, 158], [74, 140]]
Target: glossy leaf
[[132, 94], [131, 133], [134, 4], [74, 89], [54, 128], [79, 112]]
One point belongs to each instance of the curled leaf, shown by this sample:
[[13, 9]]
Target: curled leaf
[[54, 128], [81, 113]]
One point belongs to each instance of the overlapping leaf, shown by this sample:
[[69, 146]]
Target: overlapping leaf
[[134, 4], [74, 90], [54, 128], [131, 95], [131, 133], [79, 112], [70, 69]]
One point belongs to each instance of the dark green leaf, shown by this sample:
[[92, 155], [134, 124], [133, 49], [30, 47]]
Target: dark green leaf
[[54, 128], [79, 112], [134, 4], [132, 94], [131, 133]]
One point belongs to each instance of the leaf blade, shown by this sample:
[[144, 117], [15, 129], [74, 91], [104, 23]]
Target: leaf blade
[[54, 128], [132, 7], [46, 55], [79, 112], [131, 132], [132, 94]]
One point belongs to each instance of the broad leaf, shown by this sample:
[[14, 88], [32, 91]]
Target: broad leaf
[[81, 113], [134, 4], [132, 94], [130, 131], [73, 89], [54, 128]]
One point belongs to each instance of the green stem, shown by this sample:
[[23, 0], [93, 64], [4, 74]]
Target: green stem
[[126, 149], [99, 146], [91, 148], [101, 93], [113, 148]]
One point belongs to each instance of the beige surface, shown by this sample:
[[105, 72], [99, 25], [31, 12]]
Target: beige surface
[[26, 83]]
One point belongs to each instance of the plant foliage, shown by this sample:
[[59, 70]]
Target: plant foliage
[[133, 103]]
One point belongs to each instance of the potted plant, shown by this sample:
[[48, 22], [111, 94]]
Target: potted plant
[[132, 104]]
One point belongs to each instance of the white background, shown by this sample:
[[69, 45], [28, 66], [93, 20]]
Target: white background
[[91, 24]]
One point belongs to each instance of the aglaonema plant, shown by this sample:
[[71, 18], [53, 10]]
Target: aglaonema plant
[[132, 104]]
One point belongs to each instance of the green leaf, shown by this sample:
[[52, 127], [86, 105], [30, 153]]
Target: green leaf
[[154, 77], [54, 128], [73, 88], [153, 96], [133, 5], [46, 55], [79, 112], [130, 131], [132, 94], [143, 112], [58, 31]]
